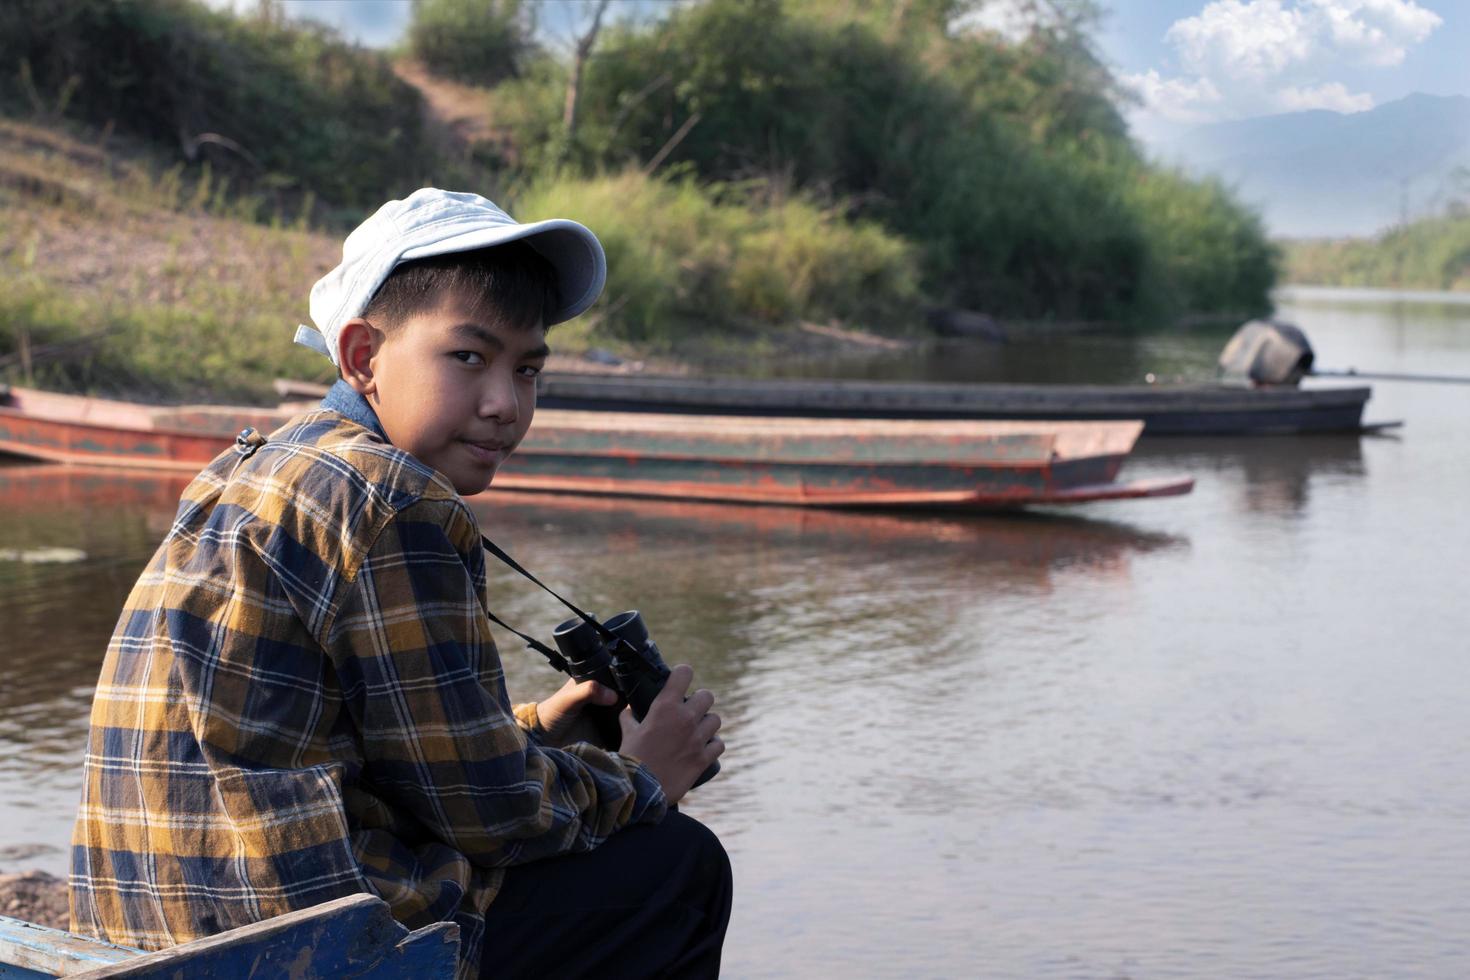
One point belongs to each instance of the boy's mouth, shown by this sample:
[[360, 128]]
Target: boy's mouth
[[485, 450]]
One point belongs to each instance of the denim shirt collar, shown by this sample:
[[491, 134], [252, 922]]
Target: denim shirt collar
[[343, 400]]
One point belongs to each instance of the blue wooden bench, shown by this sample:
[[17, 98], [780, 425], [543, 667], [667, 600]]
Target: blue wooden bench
[[353, 936]]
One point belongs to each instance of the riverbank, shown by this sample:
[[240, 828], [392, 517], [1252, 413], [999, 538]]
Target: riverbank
[[120, 278], [848, 163], [1429, 254], [35, 896], [117, 276]]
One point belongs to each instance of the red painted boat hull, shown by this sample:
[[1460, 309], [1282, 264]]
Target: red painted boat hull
[[804, 462]]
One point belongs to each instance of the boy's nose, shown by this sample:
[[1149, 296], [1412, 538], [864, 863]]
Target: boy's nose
[[499, 401]]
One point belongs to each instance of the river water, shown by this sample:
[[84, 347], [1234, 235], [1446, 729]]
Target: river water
[[1218, 735]]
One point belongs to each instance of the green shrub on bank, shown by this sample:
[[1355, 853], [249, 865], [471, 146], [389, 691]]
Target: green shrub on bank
[[277, 105], [796, 261], [973, 172], [1211, 254], [227, 353], [110, 283], [1433, 253], [477, 41], [180, 317], [1007, 165], [530, 108], [679, 256]]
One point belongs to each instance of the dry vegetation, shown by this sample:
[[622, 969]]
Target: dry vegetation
[[1431, 253], [121, 276], [117, 275]]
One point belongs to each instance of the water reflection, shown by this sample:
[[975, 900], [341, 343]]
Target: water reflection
[[725, 588], [54, 623], [1271, 475], [1122, 357], [1027, 542], [713, 579]]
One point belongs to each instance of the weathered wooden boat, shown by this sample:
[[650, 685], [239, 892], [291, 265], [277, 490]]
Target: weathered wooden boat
[[809, 462], [354, 936], [829, 462], [1165, 409], [1262, 368]]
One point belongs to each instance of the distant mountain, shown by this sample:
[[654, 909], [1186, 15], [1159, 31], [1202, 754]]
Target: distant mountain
[[1322, 173]]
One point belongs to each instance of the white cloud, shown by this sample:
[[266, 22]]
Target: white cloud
[[1249, 57], [1379, 32], [1255, 40], [1179, 100], [1330, 95]]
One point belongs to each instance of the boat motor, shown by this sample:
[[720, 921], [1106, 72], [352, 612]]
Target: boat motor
[[1267, 352]]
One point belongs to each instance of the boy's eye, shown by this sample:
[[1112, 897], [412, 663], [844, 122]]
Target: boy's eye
[[469, 357], [529, 370]]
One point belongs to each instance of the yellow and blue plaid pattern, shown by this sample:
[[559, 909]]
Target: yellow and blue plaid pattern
[[302, 700]]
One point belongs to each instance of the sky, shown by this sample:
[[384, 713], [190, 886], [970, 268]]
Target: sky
[[1194, 62], [1189, 61]]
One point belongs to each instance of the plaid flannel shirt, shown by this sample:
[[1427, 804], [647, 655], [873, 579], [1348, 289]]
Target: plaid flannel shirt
[[302, 700]]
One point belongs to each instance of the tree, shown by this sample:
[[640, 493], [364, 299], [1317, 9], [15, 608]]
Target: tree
[[477, 41], [580, 52]]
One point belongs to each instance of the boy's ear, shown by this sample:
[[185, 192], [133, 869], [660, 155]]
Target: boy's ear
[[357, 344]]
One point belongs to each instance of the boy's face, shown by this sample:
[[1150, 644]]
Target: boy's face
[[456, 391]]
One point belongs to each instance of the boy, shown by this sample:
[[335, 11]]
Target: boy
[[302, 699]]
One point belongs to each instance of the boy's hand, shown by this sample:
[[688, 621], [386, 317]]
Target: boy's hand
[[676, 739], [562, 719]]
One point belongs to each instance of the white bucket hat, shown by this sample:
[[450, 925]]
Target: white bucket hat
[[434, 222]]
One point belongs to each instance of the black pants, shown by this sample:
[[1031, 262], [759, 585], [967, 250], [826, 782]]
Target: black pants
[[651, 901]]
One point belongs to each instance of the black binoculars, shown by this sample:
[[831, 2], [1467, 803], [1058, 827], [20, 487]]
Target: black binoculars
[[624, 659]]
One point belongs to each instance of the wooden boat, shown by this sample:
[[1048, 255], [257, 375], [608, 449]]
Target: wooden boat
[[828, 462], [1165, 409], [810, 462], [354, 936]]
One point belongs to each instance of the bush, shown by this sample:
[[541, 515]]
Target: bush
[[794, 260], [1008, 165], [679, 256], [477, 41], [1209, 252], [999, 175], [273, 104], [530, 109], [147, 350], [1432, 253]]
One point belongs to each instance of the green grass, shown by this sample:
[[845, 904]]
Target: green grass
[[287, 108], [1433, 253], [151, 351], [684, 258], [123, 275]]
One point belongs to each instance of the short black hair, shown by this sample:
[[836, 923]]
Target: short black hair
[[510, 285]]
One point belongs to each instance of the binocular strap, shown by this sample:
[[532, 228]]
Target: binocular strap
[[556, 659]]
